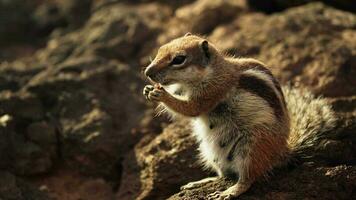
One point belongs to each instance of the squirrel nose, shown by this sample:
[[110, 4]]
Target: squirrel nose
[[150, 72]]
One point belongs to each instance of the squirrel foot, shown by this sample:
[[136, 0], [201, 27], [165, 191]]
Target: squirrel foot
[[233, 191], [195, 184]]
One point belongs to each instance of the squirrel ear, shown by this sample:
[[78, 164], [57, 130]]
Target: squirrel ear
[[187, 34], [205, 47]]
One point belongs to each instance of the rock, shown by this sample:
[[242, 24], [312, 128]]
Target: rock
[[14, 75], [306, 182], [15, 20], [30, 159], [115, 32], [310, 46], [96, 189], [30, 21], [166, 161], [100, 4], [130, 183], [93, 100], [336, 152], [5, 131], [20, 156], [344, 104], [76, 11], [14, 188], [42, 133], [201, 17], [81, 100], [278, 5], [70, 185], [72, 117], [29, 147], [345, 108], [22, 105], [47, 17], [148, 129]]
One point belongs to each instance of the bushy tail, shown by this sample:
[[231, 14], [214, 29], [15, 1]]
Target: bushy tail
[[311, 118]]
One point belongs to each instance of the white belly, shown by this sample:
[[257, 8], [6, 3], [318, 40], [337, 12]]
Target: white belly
[[212, 155]]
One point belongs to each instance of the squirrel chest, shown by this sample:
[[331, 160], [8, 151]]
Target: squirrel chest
[[217, 133]]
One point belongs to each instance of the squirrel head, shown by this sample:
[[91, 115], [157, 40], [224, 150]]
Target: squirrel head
[[188, 59]]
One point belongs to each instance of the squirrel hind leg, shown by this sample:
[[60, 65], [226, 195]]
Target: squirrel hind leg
[[232, 192]]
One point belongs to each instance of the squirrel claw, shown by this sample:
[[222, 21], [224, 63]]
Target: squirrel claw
[[155, 94], [214, 195], [220, 196], [146, 90]]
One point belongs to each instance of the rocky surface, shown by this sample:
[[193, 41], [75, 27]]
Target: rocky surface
[[26, 25], [278, 5], [73, 123], [13, 188], [312, 46], [307, 181], [165, 159]]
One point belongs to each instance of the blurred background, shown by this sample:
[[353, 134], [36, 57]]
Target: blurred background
[[73, 122]]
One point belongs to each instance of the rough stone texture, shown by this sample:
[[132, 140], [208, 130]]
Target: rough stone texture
[[201, 17], [71, 103], [311, 46], [278, 5], [14, 75], [73, 122], [49, 16], [5, 132], [20, 155], [302, 182], [25, 21], [75, 11], [166, 159], [15, 20], [99, 4], [148, 129], [21, 105], [116, 32], [14, 188], [70, 185], [342, 148], [83, 95]]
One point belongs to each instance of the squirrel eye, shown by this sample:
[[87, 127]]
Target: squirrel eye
[[178, 60]]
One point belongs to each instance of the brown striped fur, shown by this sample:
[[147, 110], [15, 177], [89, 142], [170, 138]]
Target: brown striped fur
[[237, 108], [207, 99], [267, 151], [259, 87]]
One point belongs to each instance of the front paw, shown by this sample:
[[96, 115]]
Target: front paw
[[156, 94], [147, 89]]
